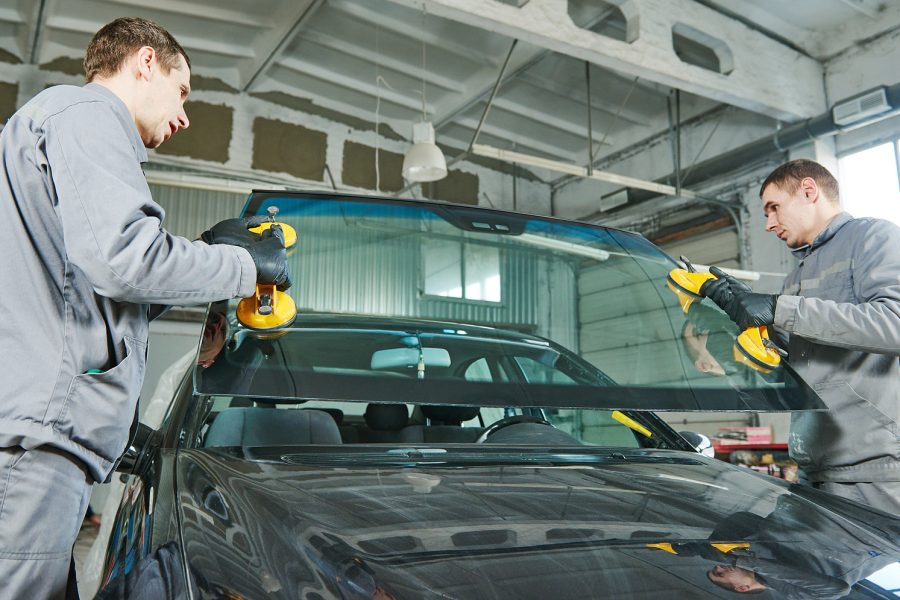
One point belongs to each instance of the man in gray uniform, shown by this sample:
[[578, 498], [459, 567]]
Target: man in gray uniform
[[84, 257], [839, 317]]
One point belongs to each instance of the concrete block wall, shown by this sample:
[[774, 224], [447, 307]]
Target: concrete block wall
[[291, 141]]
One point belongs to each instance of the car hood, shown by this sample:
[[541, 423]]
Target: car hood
[[276, 523]]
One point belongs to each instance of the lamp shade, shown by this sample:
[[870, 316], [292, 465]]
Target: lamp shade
[[424, 161]]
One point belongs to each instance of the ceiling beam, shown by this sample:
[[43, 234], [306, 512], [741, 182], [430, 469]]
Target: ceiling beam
[[270, 47], [324, 73], [353, 48], [870, 8], [521, 140], [768, 77], [221, 14], [550, 120], [373, 15], [541, 87]]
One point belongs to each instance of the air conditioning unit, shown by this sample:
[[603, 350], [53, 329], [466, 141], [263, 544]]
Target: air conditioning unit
[[868, 104]]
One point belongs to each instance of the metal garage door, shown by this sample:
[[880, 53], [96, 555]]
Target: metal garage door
[[718, 247]]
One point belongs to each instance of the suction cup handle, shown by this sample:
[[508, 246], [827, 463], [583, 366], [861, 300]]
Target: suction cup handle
[[265, 304]]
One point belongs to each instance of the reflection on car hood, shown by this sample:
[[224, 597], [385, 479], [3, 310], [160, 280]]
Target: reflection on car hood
[[639, 524]]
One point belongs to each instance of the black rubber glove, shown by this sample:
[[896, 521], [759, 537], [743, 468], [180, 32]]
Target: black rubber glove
[[270, 257], [745, 308], [703, 550], [235, 232]]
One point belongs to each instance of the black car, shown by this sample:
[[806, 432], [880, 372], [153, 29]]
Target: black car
[[464, 408]]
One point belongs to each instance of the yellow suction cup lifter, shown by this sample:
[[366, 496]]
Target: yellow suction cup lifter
[[290, 234], [721, 547], [269, 308], [686, 285], [752, 347]]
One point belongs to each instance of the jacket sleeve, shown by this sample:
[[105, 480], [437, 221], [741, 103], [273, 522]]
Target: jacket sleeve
[[113, 228], [794, 582], [873, 325]]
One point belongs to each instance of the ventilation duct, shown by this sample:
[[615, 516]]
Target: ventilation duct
[[861, 108], [787, 138]]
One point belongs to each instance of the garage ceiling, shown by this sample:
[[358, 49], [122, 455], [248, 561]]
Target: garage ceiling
[[359, 56]]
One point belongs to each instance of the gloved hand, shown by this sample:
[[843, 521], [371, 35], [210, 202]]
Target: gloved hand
[[270, 257], [745, 307], [703, 550], [235, 232]]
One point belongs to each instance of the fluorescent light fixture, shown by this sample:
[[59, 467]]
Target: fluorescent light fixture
[[562, 246], [424, 161], [570, 169]]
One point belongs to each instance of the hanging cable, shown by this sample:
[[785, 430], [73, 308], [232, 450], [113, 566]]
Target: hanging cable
[[424, 44], [703, 147], [590, 127], [618, 112], [378, 80]]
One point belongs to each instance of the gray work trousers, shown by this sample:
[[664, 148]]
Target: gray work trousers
[[883, 495], [44, 494]]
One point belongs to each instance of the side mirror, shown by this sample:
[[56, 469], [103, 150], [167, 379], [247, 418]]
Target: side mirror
[[699, 441], [133, 457]]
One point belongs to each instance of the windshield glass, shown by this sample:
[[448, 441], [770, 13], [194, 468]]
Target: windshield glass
[[449, 305]]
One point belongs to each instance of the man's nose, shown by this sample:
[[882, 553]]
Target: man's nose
[[183, 122], [771, 222]]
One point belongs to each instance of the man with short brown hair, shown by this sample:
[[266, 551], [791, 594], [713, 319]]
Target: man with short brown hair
[[839, 316], [84, 258]]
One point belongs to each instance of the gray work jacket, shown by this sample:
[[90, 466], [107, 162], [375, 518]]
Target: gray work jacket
[[841, 309], [82, 256]]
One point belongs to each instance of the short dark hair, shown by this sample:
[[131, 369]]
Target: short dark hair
[[119, 39], [788, 176]]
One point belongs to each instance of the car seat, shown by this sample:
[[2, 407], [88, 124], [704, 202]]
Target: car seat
[[255, 426]]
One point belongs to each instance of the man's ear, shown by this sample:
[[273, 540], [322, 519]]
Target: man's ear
[[810, 189], [742, 588], [146, 62]]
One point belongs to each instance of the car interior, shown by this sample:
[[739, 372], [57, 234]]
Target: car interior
[[254, 422]]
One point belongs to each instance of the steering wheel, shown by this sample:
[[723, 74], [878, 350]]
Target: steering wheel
[[507, 421]]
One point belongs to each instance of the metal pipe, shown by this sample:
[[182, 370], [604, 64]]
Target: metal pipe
[[590, 129], [490, 101], [286, 39], [37, 34], [678, 140], [675, 135]]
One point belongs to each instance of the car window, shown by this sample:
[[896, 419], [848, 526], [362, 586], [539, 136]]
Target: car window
[[441, 304], [478, 371], [536, 372]]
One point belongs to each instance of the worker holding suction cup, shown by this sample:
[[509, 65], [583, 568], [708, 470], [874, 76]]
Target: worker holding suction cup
[[752, 347], [267, 241]]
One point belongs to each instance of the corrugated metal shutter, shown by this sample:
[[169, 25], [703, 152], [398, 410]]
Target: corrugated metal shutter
[[714, 248], [189, 211]]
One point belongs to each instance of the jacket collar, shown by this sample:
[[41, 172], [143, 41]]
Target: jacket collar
[[826, 234], [125, 118]]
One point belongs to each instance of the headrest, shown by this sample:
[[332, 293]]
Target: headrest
[[450, 415], [336, 414], [259, 426], [386, 417]]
